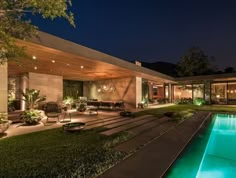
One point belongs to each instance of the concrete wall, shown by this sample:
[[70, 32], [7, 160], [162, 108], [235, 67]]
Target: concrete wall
[[49, 85], [124, 89], [3, 88]]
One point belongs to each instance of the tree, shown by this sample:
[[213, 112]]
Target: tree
[[194, 62], [229, 70], [15, 24]]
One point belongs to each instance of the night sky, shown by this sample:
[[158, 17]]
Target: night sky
[[152, 30]]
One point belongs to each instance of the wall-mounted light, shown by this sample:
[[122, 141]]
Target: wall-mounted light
[[35, 67], [53, 61], [34, 57], [81, 67]]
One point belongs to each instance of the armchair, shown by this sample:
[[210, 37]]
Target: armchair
[[52, 110]]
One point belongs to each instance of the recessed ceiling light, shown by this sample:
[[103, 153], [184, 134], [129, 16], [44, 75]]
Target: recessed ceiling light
[[53, 61], [35, 67], [81, 67], [34, 57]]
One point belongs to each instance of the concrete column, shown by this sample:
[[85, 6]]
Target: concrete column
[[3, 87], [24, 83], [170, 93], [138, 90]]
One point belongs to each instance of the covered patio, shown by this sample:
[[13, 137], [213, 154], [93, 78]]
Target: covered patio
[[103, 77]]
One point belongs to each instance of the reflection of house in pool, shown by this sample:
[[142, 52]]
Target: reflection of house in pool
[[61, 68]]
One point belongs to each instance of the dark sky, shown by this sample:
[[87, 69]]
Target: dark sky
[[152, 30]]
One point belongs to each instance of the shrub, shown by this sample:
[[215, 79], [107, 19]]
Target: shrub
[[31, 116], [184, 101], [199, 101]]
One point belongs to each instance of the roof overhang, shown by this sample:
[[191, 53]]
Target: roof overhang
[[69, 57], [213, 78]]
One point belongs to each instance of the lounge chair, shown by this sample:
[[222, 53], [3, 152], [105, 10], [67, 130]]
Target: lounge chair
[[52, 110]]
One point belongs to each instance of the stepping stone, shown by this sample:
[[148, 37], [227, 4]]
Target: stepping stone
[[117, 122], [129, 120], [128, 126], [145, 137], [149, 125], [105, 123]]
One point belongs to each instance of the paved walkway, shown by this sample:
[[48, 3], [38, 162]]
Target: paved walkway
[[154, 159]]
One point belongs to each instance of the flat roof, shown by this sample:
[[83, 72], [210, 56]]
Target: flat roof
[[213, 77], [77, 62]]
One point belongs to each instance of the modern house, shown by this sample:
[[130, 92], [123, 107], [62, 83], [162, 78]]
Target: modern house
[[59, 67]]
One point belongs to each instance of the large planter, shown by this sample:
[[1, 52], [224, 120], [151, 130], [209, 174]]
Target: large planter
[[4, 125]]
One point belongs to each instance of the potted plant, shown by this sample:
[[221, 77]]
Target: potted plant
[[68, 102], [4, 122], [32, 99], [31, 116]]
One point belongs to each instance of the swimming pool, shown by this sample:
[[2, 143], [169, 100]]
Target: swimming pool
[[212, 153]]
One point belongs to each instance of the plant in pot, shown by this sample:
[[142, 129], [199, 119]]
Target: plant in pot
[[68, 101], [32, 99], [4, 122]]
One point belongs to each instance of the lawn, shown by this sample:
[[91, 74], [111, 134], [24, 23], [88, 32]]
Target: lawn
[[54, 153], [179, 108]]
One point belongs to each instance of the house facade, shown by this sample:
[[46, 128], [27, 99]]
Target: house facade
[[59, 68]]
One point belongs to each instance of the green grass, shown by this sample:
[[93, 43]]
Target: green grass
[[180, 108], [54, 153]]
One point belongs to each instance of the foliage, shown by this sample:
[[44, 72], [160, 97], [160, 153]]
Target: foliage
[[15, 13], [31, 116], [199, 101], [68, 100], [4, 123], [32, 98], [229, 70], [54, 153], [159, 112], [3, 117], [184, 101], [194, 62], [181, 115]]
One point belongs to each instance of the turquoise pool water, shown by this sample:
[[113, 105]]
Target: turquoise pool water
[[211, 154]]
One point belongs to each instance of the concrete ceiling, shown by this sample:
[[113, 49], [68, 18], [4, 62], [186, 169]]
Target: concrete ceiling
[[75, 66]]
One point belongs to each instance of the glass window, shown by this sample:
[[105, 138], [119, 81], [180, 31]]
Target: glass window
[[198, 91], [219, 93], [231, 93], [182, 92]]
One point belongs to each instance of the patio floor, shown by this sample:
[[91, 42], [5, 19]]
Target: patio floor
[[21, 128], [108, 119]]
